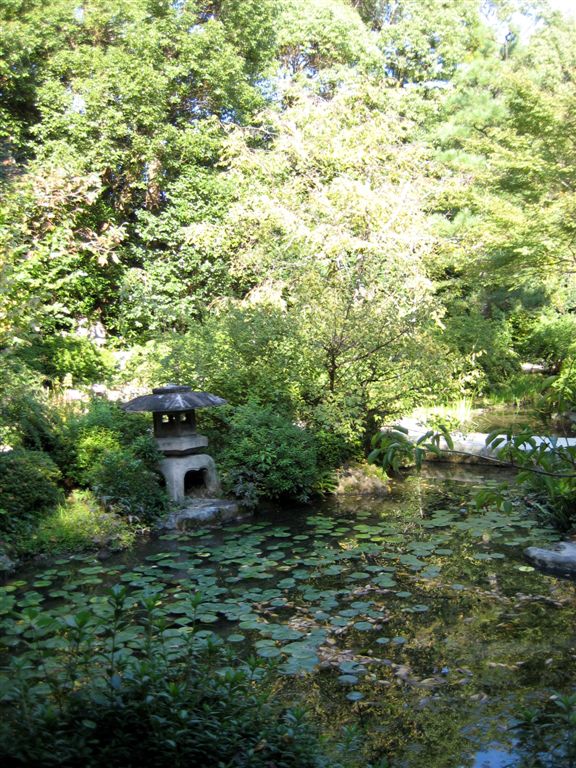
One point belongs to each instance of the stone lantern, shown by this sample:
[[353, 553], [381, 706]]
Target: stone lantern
[[186, 467]]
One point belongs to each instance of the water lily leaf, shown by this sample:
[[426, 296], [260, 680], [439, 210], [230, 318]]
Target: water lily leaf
[[348, 679], [351, 667], [332, 570], [416, 609], [299, 665], [207, 618], [363, 626], [269, 652], [412, 562], [354, 696], [384, 581], [283, 632]]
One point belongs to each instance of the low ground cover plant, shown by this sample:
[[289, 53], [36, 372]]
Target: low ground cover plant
[[115, 686]]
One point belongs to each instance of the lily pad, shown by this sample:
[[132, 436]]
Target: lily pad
[[354, 696]]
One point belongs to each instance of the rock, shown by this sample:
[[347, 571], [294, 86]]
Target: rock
[[7, 565], [202, 511], [561, 558], [362, 480]]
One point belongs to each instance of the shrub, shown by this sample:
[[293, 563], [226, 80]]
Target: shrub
[[28, 488], [127, 485], [266, 456], [58, 357], [113, 453], [337, 432], [106, 415], [105, 427], [78, 524], [25, 419], [91, 447], [112, 687], [551, 339]]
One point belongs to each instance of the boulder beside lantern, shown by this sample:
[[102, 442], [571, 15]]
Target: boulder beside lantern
[[186, 466]]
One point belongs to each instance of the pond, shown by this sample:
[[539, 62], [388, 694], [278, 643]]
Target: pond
[[509, 419], [412, 622]]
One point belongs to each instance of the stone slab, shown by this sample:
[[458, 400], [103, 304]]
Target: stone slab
[[198, 511], [562, 557]]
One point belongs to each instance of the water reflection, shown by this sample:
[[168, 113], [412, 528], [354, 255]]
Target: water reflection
[[412, 618]]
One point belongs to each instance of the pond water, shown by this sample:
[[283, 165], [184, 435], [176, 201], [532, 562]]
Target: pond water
[[509, 419], [412, 623]]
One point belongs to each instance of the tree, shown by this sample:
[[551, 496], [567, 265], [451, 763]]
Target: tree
[[330, 215]]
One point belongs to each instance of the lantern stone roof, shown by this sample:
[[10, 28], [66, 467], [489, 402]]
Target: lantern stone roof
[[173, 398]]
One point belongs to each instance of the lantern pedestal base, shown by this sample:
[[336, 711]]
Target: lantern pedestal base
[[199, 467]]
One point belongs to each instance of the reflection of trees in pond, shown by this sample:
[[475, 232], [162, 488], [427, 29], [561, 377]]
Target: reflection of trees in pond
[[427, 623]]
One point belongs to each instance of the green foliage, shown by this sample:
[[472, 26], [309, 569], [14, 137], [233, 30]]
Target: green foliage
[[561, 395], [489, 343], [338, 433], [243, 189], [392, 449], [524, 389], [26, 419], [28, 488], [92, 444], [80, 523], [127, 485], [427, 43], [179, 701], [244, 352], [67, 357], [320, 34], [547, 468], [113, 452], [550, 339], [547, 733], [109, 417], [266, 456]]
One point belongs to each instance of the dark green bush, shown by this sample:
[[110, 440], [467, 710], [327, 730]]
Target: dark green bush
[[104, 427], [266, 456], [551, 340], [106, 415], [113, 453], [126, 484], [113, 688], [28, 488]]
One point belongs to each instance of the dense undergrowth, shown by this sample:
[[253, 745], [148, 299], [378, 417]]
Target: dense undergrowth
[[114, 687]]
